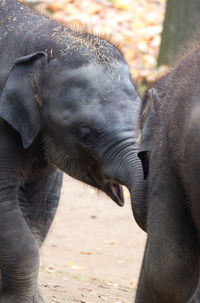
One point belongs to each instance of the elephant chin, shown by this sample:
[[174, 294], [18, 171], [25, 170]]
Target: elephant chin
[[76, 170]]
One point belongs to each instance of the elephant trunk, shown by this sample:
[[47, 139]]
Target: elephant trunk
[[125, 167], [138, 194]]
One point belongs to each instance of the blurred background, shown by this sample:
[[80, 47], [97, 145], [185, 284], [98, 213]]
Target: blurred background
[[94, 250]]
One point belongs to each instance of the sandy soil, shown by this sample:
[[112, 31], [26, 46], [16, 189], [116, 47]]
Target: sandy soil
[[94, 249]]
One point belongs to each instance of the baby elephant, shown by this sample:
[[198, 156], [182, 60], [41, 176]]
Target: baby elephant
[[68, 103], [170, 155]]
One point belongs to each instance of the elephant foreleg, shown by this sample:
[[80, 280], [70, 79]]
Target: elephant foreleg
[[19, 258], [38, 201]]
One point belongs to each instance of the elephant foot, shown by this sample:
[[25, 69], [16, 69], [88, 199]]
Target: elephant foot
[[6, 297], [10, 298]]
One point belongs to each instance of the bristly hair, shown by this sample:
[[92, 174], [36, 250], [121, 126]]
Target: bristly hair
[[78, 27], [73, 38], [190, 47]]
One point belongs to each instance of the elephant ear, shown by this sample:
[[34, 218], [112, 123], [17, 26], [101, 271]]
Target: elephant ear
[[150, 103], [148, 120], [17, 103]]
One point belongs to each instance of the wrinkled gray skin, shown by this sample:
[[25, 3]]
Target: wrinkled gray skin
[[170, 154], [67, 103]]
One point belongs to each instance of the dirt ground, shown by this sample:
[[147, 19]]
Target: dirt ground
[[94, 249]]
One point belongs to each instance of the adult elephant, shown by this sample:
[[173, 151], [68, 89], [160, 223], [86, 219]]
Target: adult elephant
[[67, 102], [170, 155]]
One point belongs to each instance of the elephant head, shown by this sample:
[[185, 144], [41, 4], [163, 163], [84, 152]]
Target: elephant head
[[87, 117]]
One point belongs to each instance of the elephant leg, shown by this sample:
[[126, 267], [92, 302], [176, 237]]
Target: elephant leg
[[19, 259], [20, 262], [170, 269], [39, 201]]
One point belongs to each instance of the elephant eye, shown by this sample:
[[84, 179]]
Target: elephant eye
[[87, 135]]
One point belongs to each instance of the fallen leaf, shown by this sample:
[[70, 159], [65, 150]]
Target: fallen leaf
[[73, 265], [50, 269], [102, 297], [55, 7], [122, 4], [56, 300], [111, 242], [94, 8], [93, 217]]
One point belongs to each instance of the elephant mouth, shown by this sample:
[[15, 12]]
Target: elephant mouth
[[116, 193], [111, 187]]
